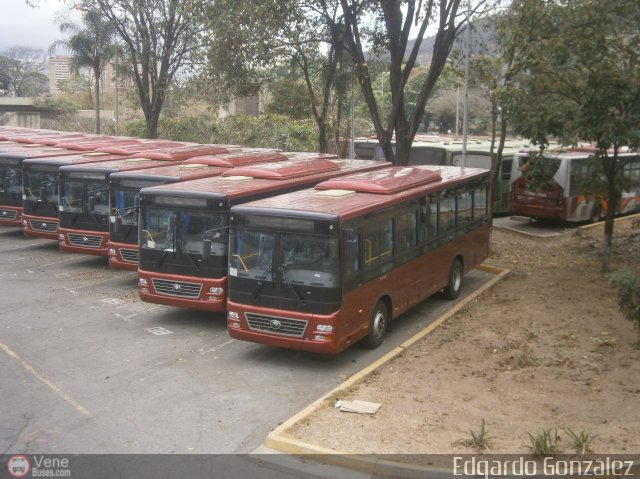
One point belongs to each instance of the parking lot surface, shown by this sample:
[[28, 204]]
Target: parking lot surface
[[88, 368]]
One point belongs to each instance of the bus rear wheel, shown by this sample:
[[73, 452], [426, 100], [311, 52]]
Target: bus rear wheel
[[452, 290], [378, 326]]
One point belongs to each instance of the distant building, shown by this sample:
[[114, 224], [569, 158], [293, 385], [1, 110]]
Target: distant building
[[59, 71]]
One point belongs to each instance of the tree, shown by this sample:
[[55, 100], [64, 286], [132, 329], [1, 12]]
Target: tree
[[580, 80], [386, 27], [250, 37], [91, 46], [159, 36], [21, 71]]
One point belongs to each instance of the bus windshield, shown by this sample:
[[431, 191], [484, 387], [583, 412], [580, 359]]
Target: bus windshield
[[299, 259], [41, 186], [124, 204], [80, 196], [195, 233], [11, 183]]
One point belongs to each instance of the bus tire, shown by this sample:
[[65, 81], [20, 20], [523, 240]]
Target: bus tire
[[378, 326], [452, 290]]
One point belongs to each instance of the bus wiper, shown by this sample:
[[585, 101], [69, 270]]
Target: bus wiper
[[296, 293], [182, 243], [172, 244], [260, 283]]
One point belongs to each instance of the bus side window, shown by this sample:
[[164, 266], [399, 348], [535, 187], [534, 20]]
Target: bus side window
[[405, 231], [351, 253], [433, 221], [424, 233], [446, 214], [464, 208], [480, 203], [505, 170], [378, 244]]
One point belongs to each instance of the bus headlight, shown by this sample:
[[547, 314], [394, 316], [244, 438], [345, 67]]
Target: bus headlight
[[142, 282], [112, 251], [24, 223], [61, 237], [232, 315], [324, 328], [215, 290]]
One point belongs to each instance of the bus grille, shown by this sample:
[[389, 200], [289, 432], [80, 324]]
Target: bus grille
[[87, 241], [130, 255], [8, 214], [48, 226], [276, 325], [177, 288]]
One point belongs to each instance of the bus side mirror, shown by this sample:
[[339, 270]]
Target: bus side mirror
[[206, 248]]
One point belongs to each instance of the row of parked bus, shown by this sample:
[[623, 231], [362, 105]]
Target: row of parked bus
[[559, 195], [300, 250]]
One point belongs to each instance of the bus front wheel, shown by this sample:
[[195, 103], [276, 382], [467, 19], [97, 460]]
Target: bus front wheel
[[452, 290], [378, 326]]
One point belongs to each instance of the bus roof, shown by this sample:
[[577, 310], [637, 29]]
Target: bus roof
[[247, 181], [184, 152], [113, 166], [18, 155], [169, 173], [362, 193], [140, 145], [239, 157], [76, 159]]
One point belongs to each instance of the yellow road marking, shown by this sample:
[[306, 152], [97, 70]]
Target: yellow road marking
[[77, 406]]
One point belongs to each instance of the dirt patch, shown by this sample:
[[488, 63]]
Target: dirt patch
[[546, 349]]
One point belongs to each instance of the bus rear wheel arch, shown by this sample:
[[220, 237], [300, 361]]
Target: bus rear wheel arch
[[454, 283], [378, 325]]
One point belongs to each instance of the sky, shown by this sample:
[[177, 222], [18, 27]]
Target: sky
[[21, 25]]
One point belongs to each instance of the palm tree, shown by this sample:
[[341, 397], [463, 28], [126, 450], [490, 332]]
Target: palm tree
[[90, 46]]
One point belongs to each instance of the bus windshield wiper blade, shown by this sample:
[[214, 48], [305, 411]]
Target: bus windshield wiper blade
[[296, 293], [260, 283]]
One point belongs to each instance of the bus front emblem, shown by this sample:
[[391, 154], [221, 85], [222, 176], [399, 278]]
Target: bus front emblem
[[275, 324], [176, 287], [85, 239]]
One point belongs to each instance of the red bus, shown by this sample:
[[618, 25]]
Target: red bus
[[40, 191], [124, 194], [183, 226], [40, 182], [84, 197], [323, 268], [11, 160], [551, 186]]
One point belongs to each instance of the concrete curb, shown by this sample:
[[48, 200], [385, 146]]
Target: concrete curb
[[278, 441], [600, 223]]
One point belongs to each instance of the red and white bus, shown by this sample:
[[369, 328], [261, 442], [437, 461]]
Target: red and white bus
[[323, 268], [552, 188], [183, 226], [84, 195], [124, 193]]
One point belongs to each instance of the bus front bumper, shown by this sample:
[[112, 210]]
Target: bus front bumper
[[204, 294], [40, 227], [11, 216], [81, 241]]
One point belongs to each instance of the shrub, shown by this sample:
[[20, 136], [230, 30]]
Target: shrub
[[628, 286]]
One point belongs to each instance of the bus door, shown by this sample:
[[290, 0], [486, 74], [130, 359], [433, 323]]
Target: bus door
[[353, 301]]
